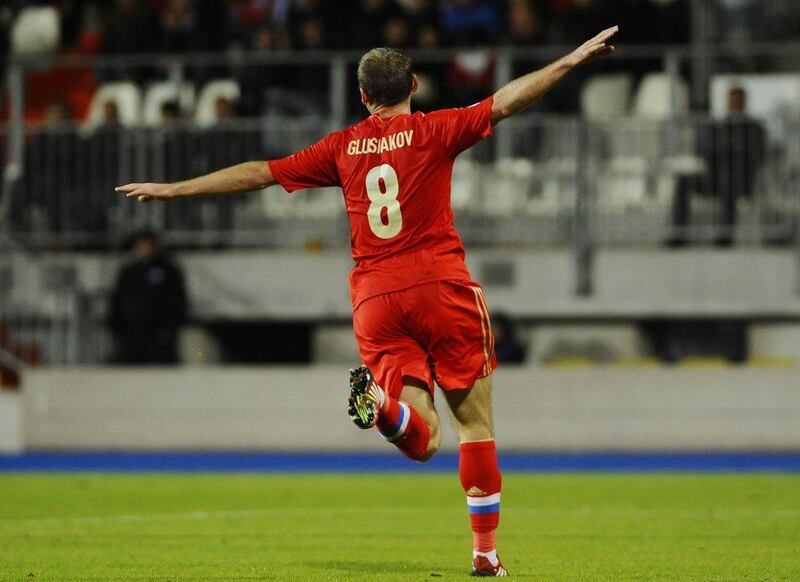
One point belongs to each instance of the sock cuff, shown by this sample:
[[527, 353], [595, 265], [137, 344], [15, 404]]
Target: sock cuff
[[399, 429], [477, 445], [484, 504]]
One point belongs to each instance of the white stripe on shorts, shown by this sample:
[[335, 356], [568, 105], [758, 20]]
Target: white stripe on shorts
[[486, 366]]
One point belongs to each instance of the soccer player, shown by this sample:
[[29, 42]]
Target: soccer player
[[419, 318]]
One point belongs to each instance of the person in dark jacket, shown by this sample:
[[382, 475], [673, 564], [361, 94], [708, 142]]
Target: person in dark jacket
[[735, 149], [508, 347], [148, 306]]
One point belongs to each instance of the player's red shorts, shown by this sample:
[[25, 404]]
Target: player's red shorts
[[437, 331]]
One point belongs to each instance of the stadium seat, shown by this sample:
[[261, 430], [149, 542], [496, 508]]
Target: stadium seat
[[158, 94], [634, 200], [511, 181], [125, 94], [465, 184], [606, 96], [635, 137], [684, 165], [658, 98], [317, 204], [623, 184], [206, 113], [558, 186], [36, 31], [671, 170], [275, 204]]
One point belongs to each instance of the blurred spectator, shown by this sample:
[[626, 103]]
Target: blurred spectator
[[576, 20], [734, 150], [470, 77], [779, 21], [148, 306], [130, 27], [57, 114], [427, 36], [5, 34], [507, 346], [424, 17], [257, 81], [526, 24], [306, 23], [170, 112], [469, 22], [739, 19], [224, 109], [397, 33], [310, 34], [110, 115], [48, 176], [674, 21], [368, 18], [13, 353], [179, 27]]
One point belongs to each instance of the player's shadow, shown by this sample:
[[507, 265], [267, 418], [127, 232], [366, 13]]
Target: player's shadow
[[367, 568]]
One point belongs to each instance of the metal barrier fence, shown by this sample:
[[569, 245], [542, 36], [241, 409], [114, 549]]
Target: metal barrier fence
[[46, 316], [621, 181]]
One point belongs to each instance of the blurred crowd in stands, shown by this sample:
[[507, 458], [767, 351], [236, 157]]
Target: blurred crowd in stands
[[116, 27], [136, 26]]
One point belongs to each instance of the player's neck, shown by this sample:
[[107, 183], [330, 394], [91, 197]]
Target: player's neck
[[387, 111]]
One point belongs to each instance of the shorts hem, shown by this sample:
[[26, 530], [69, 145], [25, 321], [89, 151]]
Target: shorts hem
[[426, 379], [451, 384]]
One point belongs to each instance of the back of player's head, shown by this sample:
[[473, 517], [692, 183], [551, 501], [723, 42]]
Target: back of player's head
[[385, 75]]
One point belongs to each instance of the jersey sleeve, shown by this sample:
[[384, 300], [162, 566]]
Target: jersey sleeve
[[312, 167], [460, 129]]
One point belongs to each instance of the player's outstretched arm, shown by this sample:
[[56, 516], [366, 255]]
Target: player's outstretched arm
[[240, 178], [523, 92]]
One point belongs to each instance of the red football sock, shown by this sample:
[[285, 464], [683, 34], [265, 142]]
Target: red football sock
[[481, 479], [402, 426]]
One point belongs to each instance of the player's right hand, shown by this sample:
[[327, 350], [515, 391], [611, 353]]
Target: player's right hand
[[146, 192], [594, 48]]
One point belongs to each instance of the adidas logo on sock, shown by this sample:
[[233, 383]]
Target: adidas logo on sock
[[475, 491]]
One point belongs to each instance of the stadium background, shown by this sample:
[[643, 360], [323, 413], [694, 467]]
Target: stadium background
[[636, 232]]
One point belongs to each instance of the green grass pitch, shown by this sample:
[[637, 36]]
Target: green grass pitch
[[394, 526]]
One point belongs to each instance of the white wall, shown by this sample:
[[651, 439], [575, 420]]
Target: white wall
[[304, 409], [12, 438]]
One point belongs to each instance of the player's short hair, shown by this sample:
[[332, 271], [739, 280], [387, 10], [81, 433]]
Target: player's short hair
[[385, 75]]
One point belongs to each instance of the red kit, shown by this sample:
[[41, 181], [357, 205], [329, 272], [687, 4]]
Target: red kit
[[416, 311]]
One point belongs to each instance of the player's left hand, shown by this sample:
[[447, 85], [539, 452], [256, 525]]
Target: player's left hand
[[146, 192], [594, 48]]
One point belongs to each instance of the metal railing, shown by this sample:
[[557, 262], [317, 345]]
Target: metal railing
[[47, 318], [638, 181], [57, 186]]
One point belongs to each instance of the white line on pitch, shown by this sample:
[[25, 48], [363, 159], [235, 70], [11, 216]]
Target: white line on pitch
[[578, 512]]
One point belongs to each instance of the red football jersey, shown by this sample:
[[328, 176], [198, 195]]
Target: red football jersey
[[395, 173]]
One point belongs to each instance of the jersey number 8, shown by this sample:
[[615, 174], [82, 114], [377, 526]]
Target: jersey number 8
[[381, 198]]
